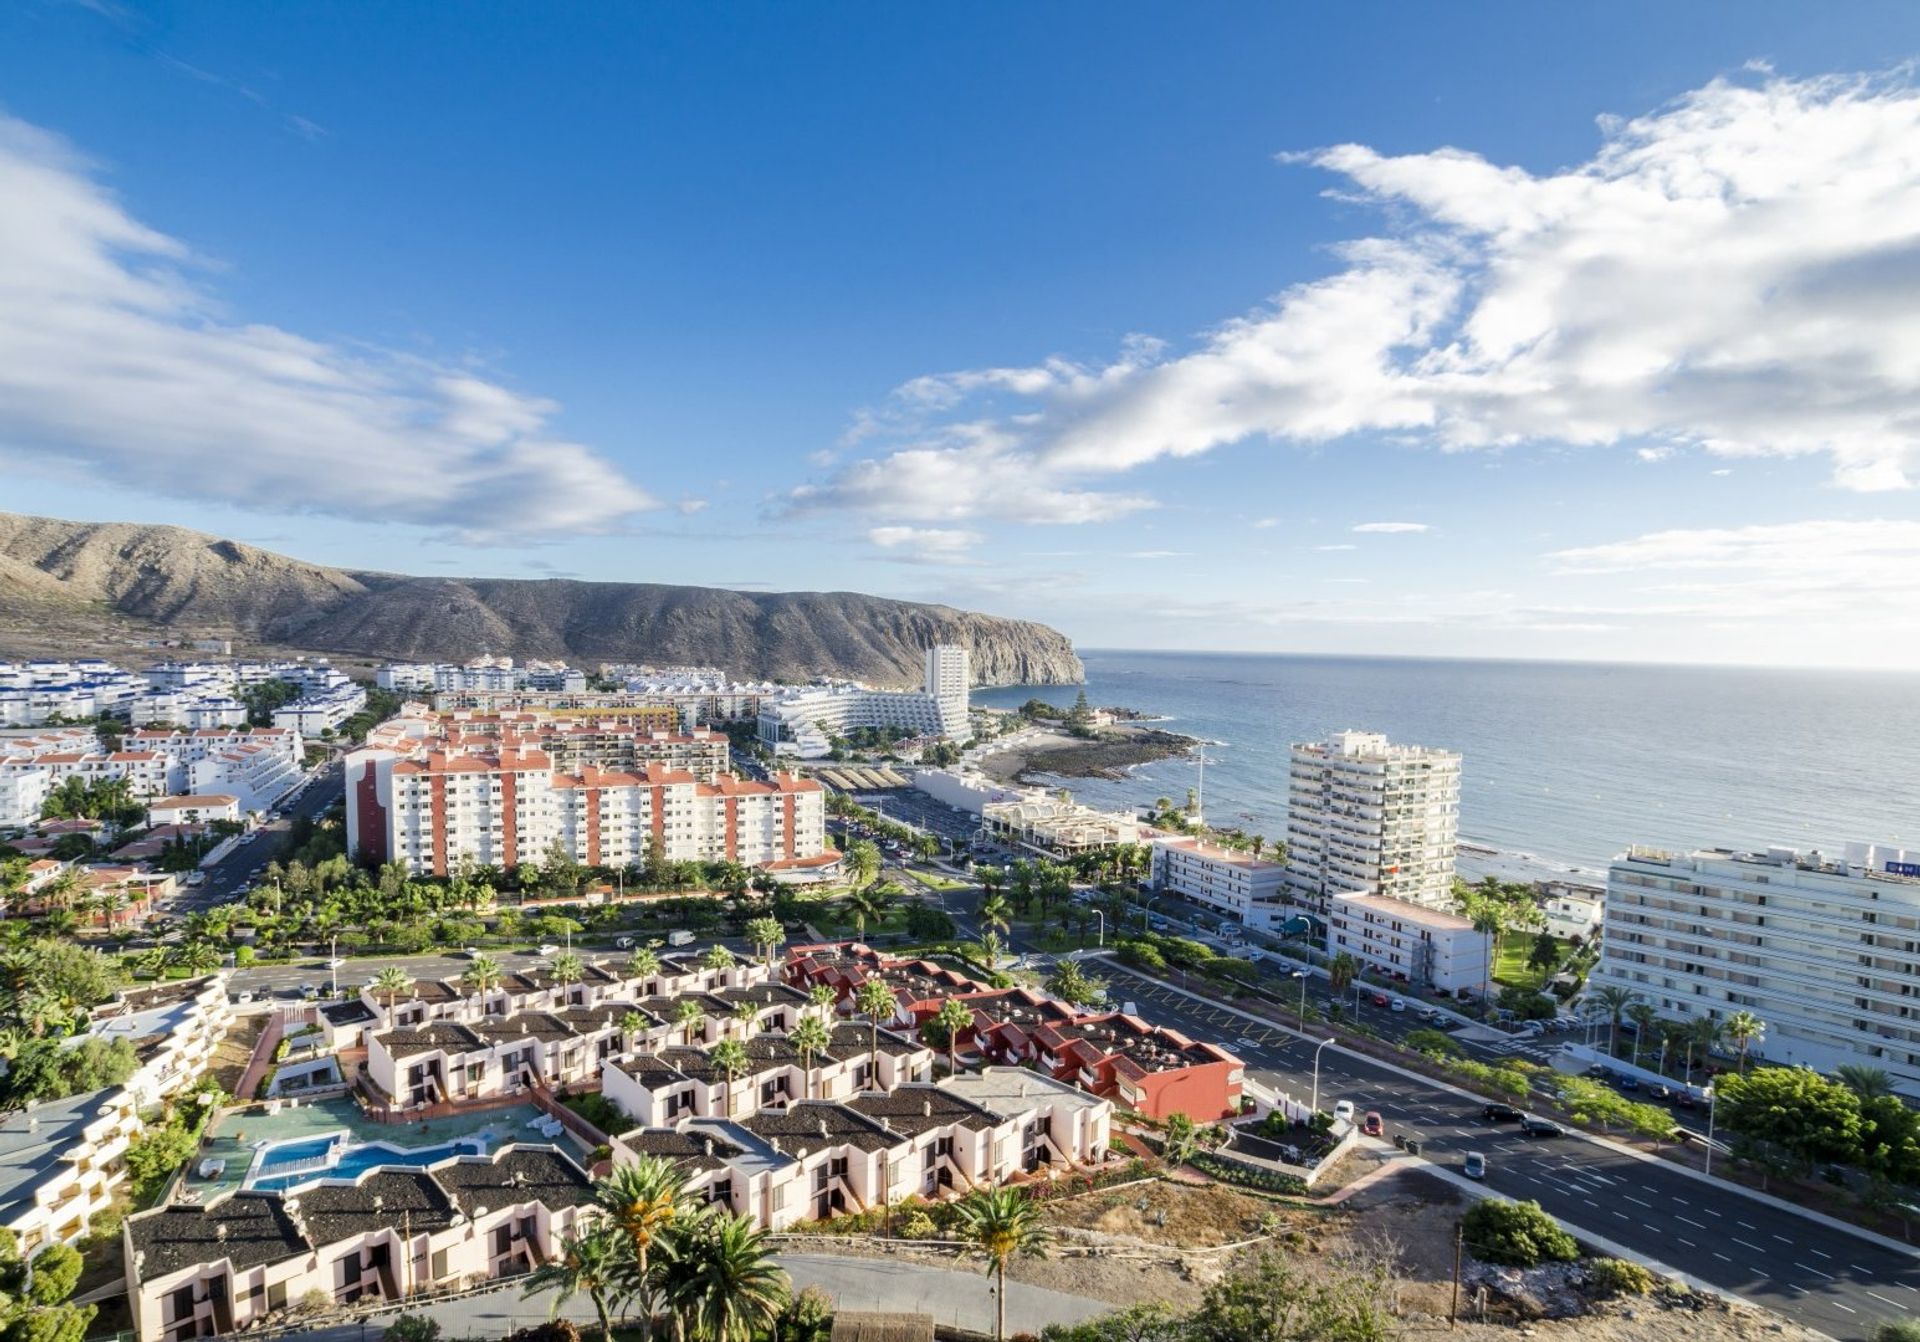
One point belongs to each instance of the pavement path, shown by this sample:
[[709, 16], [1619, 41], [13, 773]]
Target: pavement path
[[955, 1297]]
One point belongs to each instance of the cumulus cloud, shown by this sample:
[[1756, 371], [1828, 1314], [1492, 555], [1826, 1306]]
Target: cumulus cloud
[[1390, 528], [1737, 272], [926, 545], [115, 360]]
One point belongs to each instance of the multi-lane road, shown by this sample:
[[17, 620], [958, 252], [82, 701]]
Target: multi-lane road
[[228, 879], [1814, 1271]]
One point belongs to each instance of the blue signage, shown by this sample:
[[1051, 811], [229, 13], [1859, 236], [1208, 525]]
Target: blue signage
[[1903, 868]]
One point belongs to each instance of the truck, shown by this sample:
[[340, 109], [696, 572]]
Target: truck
[[680, 938]]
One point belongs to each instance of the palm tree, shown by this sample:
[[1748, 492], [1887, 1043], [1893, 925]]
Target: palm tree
[[643, 1201], [732, 1058], [391, 981], [587, 1262], [198, 957], [811, 1038], [725, 1286], [1744, 1029], [643, 964], [483, 975], [862, 864], [1644, 1018], [1703, 1032], [718, 958], [687, 1013], [954, 1017], [765, 935], [1614, 1000], [865, 904], [999, 1223], [995, 914], [566, 970], [632, 1025], [990, 950], [991, 879], [823, 999], [1342, 970], [1869, 1083], [1489, 920], [747, 1016], [876, 1000]]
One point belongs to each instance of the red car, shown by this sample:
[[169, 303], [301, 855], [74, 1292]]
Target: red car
[[1379, 999], [1373, 1125]]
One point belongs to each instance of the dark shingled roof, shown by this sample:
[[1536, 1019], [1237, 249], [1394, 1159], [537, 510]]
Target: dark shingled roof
[[607, 1016], [798, 1128], [762, 994], [853, 1038], [914, 1109], [259, 1230], [439, 1036], [516, 1174], [334, 1212], [355, 1012], [684, 1148], [529, 1024]]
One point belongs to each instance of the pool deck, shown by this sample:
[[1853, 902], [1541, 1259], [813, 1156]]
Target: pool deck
[[237, 1132]]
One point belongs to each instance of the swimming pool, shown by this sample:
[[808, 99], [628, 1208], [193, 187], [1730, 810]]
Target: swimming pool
[[335, 1157]]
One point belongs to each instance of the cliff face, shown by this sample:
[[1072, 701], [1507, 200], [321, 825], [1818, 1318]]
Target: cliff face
[[75, 582]]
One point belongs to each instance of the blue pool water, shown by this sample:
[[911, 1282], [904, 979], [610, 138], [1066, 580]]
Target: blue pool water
[[352, 1160]]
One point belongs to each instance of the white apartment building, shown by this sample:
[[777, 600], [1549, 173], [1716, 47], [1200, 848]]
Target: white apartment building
[[320, 711], [802, 721], [1368, 817], [1413, 943], [482, 673], [1572, 908], [1826, 952], [23, 791], [504, 807], [1236, 883], [36, 692]]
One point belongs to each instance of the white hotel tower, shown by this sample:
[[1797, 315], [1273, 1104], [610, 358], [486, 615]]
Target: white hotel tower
[[1367, 817]]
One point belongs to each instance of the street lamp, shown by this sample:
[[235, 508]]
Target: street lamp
[[333, 961], [1102, 916], [1314, 1108], [1711, 1097], [1301, 974]]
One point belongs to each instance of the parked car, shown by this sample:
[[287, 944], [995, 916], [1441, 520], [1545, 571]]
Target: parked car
[[1428, 1014], [1626, 1082], [1255, 955], [1659, 1093], [1501, 1113], [623, 943], [1378, 999], [1474, 1166], [1399, 1004], [1534, 1126], [1373, 1125], [1343, 1111], [549, 949]]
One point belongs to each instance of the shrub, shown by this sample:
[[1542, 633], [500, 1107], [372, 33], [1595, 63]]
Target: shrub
[[1247, 1176], [1438, 1043], [1619, 1276], [1898, 1330], [809, 1318], [917, 1224], [1143, 955], [411, 1328], [1516, 1234]]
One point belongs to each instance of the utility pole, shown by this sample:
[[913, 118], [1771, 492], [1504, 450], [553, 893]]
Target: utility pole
[[1459, 1245]]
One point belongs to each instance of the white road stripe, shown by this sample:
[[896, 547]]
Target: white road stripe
[[1827, 1276], [1882, 1299], [1722, 1257], [1837, 1305], [1783, 1239], [1697, 1225], [1689, 1243], [1865, 1272], [1647, 1205], [1817, 1254], [1747, 1225], [1745, 1244]]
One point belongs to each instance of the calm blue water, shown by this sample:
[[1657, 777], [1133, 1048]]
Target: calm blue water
[[1569, 762], [354, 1160], [286, 1153]]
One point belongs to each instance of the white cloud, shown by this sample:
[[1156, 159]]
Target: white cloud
[[1390, 528], [926, 545], [1738, 271], [1266, 523], [688, 507], [1724, 470], [1330, 548], [1652, 454], [113, 360], [1156, 554]]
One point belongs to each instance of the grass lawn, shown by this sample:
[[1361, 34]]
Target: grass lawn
[[1510, 967], [936, 881]]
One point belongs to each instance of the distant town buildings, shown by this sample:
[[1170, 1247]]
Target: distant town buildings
[[1572, 908], [256, 766], [482, 673], [1368, 817], [805, 721], [181, 694], [1820, 948]]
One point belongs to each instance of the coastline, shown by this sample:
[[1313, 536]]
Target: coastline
[[1056, 754]]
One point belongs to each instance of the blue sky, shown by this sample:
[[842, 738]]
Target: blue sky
[[1069, 311]]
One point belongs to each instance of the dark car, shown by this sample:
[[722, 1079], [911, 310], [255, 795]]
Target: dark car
[[1659, 1094], [1501, 1113], [1684, 1100], [1626, 1082], [1541, 1127]]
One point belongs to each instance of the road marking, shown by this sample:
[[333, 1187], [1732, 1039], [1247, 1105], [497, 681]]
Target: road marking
[[1783, 1239], [1861, 1270], [1647, 1205], [1883, 1300], [1689, 1243], [1710, 1211], [1722, 1257], [1746, 1225], [1623, 1216], [1683, 1202], [1590, 1202], [1745, 1245], [1825, 1276], [1817, 1254], [1697, 1225], [1837, 1305]]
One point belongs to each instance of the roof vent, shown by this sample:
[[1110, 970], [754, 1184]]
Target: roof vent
[[926, 1108], [707, 1145], [379, 1204], [220, 1232], [823, 1127]]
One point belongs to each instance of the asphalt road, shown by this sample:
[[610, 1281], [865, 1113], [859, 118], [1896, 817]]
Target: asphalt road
[[1827, 1278], [229, 879]]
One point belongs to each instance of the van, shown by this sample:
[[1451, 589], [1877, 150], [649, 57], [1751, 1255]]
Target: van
[[679, 938], [1343, 1111]]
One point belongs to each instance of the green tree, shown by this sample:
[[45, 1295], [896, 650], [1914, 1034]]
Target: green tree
[[412, 1328], [956, 1018], [1645, 1017], [687, 1014], [55, 1272], [1179, 1140], [1743, 1030], [1868, 1083], [726, 1286], [810, 1039], [1341, 972], [1614, 1001], [482, 975], [645, 1203], [566, 969], [862, 864], [998, 1223], [590, 1264], [766, 936], [876, 1001], [643, 964], [1071, 983], [389, 983], [1795, 1110], [718, 958], [1515, 1234], [866, 904]]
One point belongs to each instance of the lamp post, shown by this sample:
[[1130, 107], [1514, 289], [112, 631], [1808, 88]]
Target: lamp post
[[1102, 916], [1314, 1108], [1301, 974], [333, 961], [1712, 1095]]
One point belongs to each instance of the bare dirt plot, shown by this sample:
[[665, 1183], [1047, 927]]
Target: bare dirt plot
[[230, 1058]]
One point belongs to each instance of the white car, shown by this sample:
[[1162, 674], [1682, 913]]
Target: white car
[[337, 963], [549, 950], [1399, 1004], [1343, 1111]]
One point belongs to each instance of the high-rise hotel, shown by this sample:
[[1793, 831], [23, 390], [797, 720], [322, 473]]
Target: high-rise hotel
[[1368, 817]]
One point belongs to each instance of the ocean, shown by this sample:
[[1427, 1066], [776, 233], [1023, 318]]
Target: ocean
[[1563, 764]]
